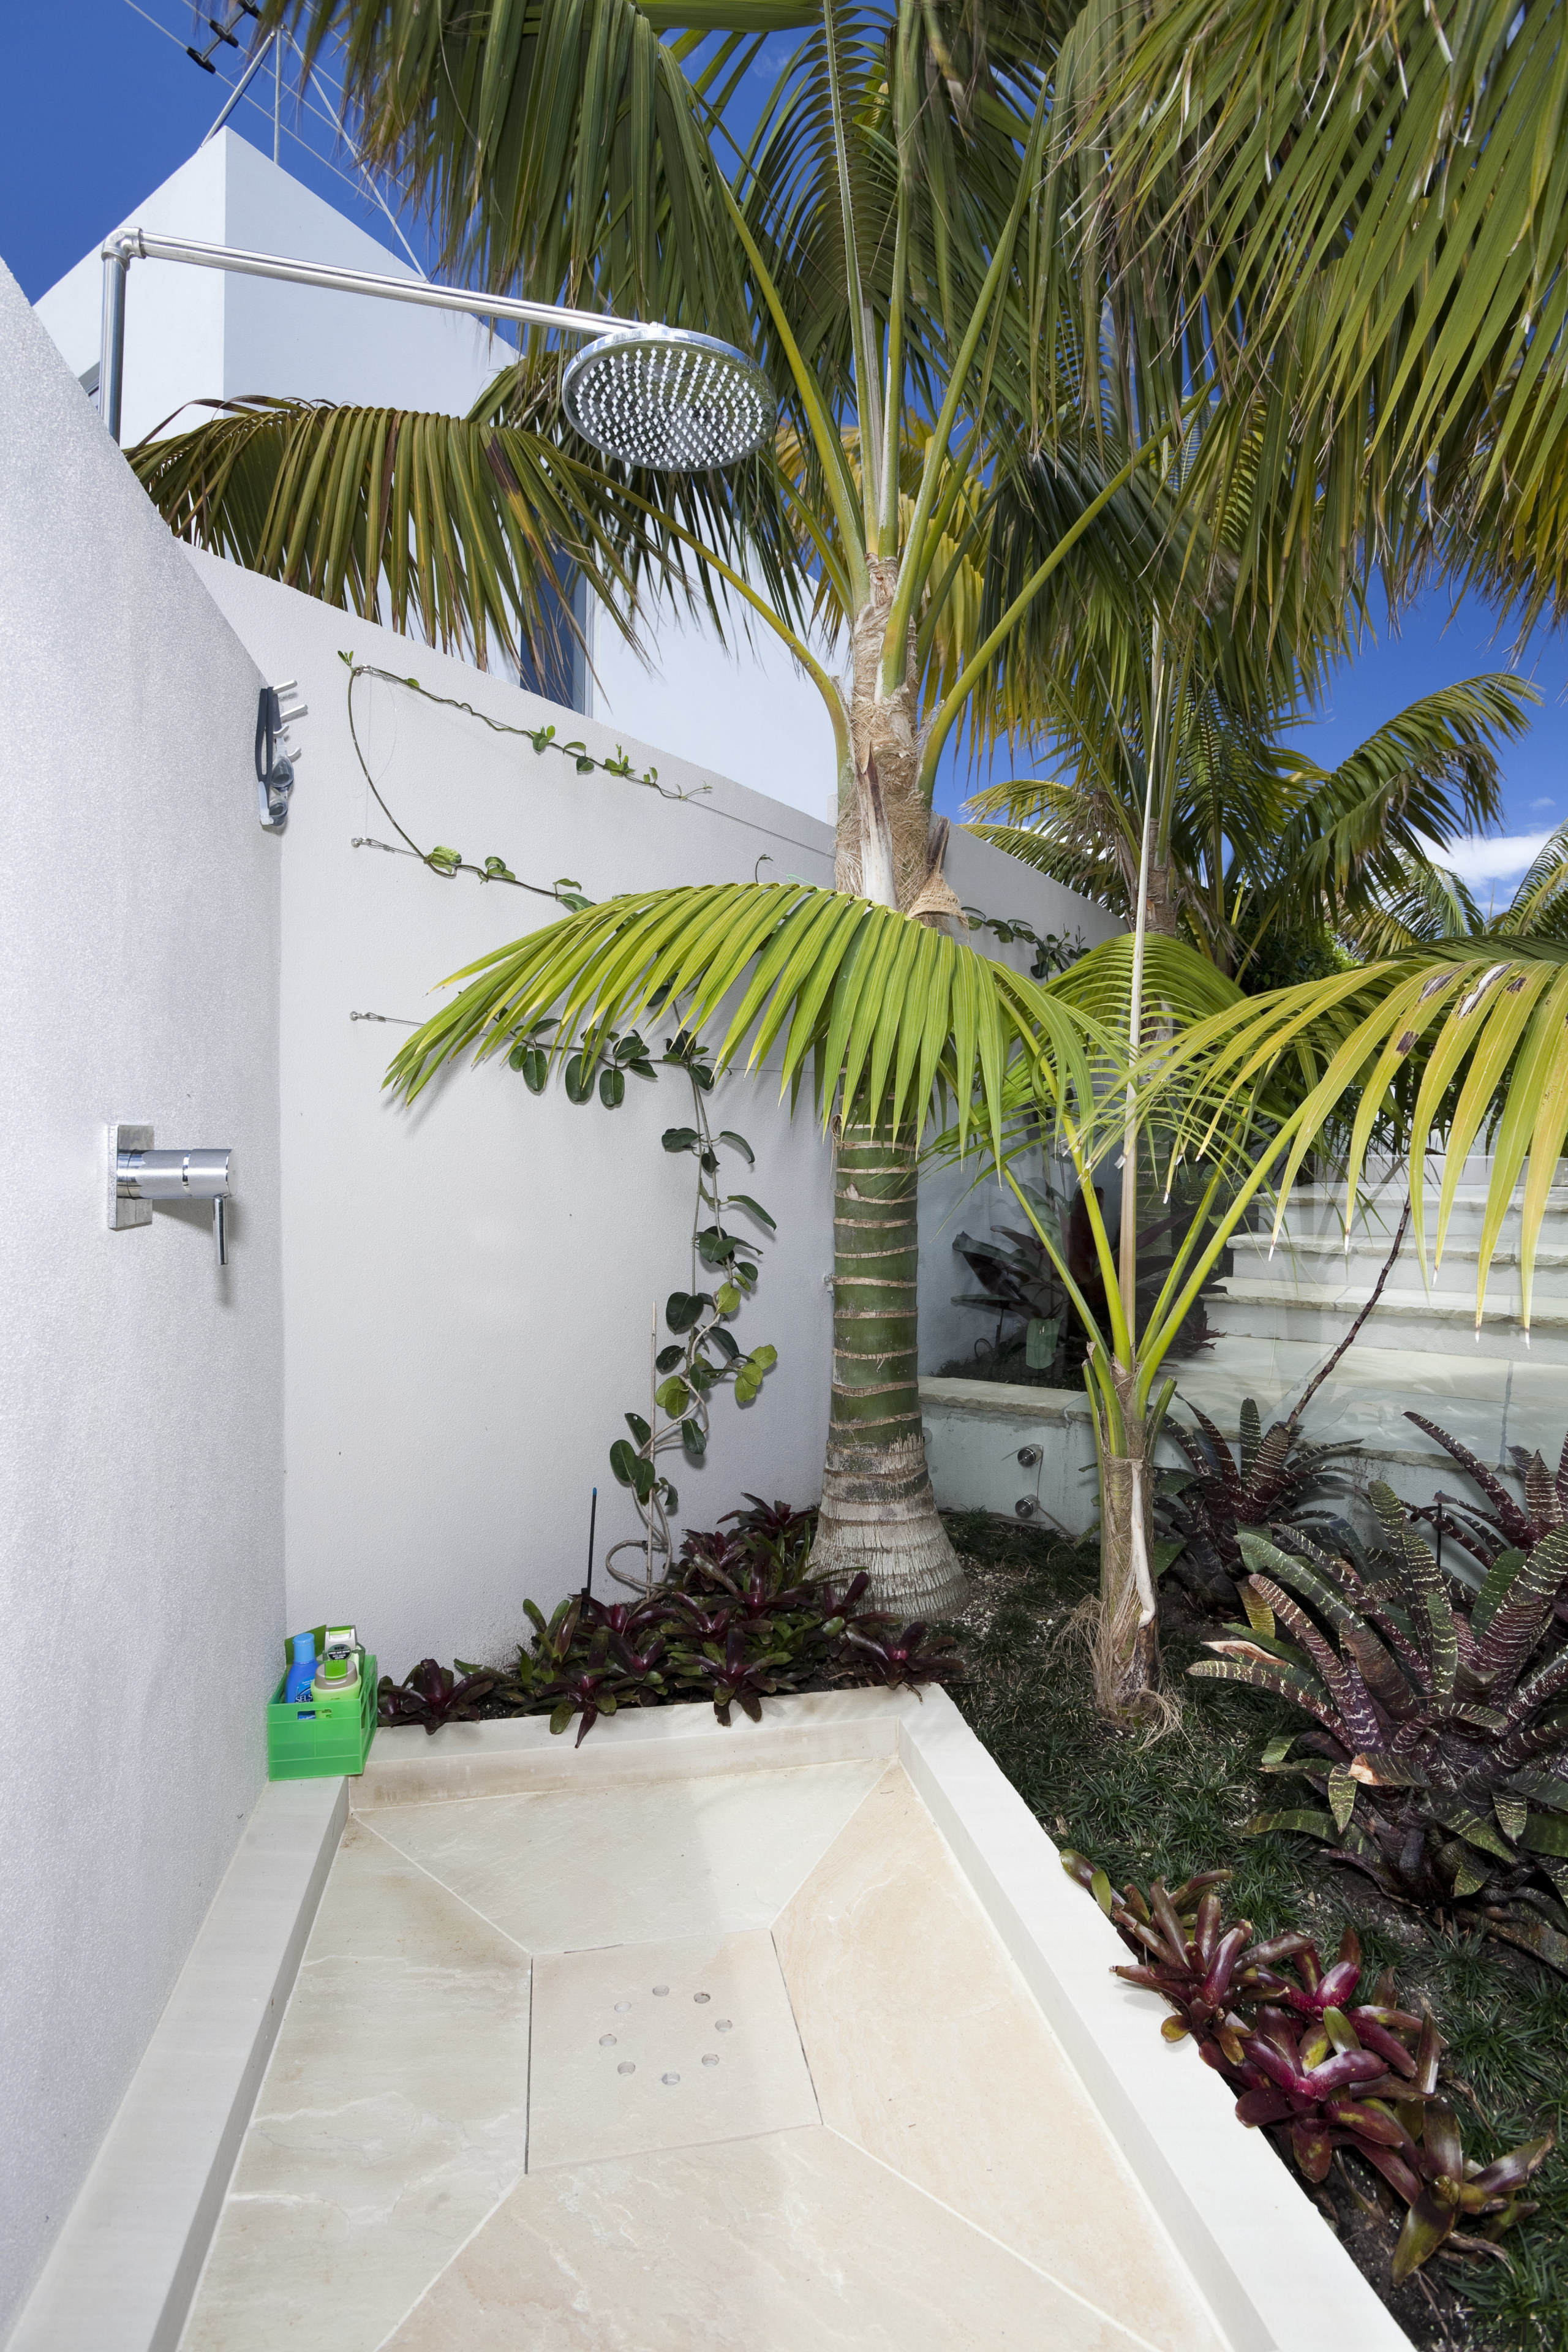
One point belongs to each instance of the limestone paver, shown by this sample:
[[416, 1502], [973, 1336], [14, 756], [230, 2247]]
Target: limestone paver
[[928, 2050], [392, 2119], [662, 2045], [890, 2154], [570, 1869], [796, 2242]]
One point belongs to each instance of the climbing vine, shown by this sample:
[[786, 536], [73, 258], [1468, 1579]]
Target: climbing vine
[[1054, 951], [446, 862], [702, 1355]]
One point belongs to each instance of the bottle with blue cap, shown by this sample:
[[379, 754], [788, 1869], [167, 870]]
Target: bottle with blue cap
[[302, 1673]]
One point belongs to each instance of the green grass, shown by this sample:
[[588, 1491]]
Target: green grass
[[1180, 1804]]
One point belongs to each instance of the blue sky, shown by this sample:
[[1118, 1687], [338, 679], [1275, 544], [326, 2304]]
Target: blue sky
[[112, 105], [105, 104]]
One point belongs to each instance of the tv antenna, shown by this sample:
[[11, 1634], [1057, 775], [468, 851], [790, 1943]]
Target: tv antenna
[[223, 36]]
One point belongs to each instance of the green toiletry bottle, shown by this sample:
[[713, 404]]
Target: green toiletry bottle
[[337, 1674]]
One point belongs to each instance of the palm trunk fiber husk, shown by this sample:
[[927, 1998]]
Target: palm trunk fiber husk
[[1127, 1640], [878, 1512]]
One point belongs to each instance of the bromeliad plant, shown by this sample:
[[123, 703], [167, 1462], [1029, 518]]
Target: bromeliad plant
[[1318, 2070], [1017, 1278], [1439, 1737], [1509, 1526], [1265, 1484], [741, 1617], [433, 1695]]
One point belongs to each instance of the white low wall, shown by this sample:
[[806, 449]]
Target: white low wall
[[470, 1287], [141, 1471], [1029, 1453]]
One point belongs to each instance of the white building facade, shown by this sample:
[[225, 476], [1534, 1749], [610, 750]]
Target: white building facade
[[193, 334]]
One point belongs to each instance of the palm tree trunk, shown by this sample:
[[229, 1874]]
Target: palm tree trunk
[[878, 1512], [1127, 1638], [1163, 920]]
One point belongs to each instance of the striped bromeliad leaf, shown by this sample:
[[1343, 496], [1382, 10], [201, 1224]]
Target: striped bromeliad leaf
[[1313, 2066], [1439, 1741]]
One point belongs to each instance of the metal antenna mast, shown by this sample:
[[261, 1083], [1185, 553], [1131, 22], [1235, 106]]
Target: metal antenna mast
[[242, 84]]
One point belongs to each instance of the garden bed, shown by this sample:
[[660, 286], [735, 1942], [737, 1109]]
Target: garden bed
[[1180, 1805]]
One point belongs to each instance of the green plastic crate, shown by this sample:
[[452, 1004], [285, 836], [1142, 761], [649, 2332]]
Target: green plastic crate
[[320, 1738]]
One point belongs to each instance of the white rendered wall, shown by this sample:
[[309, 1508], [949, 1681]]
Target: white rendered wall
[[742, 708], [470, 1286], [141, 1518], [202, 333]]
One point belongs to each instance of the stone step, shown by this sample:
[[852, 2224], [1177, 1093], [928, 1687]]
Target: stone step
[[1322, 1258], [1322, 1312], [1314, 1214]]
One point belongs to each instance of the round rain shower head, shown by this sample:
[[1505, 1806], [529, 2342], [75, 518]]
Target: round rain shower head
[[664, 397]]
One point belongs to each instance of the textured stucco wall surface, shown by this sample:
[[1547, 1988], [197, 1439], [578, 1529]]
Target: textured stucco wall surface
[[140, 1464], [470, 1285]]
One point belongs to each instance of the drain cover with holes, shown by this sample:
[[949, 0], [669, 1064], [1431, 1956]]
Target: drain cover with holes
[[642, 2046]]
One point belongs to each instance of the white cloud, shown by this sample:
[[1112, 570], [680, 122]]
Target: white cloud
[[1535, 804], [1502, 859]]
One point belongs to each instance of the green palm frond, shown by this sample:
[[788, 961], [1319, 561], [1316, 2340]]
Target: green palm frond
[[1180, 985], [1478, 1022], [1428, 775], [1539, 908], [1414, 906], [462, 527], [1383, 194], [888, 1014], [1253, 829], [556, 146], [1092, 860]]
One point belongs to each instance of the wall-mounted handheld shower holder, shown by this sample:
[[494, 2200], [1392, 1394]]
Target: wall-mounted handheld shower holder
[[138, 1176], [274, 765]]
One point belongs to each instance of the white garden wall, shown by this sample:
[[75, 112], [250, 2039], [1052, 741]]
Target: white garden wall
[[470, 1287], [140, 1391]]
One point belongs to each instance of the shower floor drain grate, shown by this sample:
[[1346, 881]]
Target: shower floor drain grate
[[641, 2046]]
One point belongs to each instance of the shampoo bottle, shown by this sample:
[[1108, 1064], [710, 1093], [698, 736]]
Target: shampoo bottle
[[338, 1673]]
